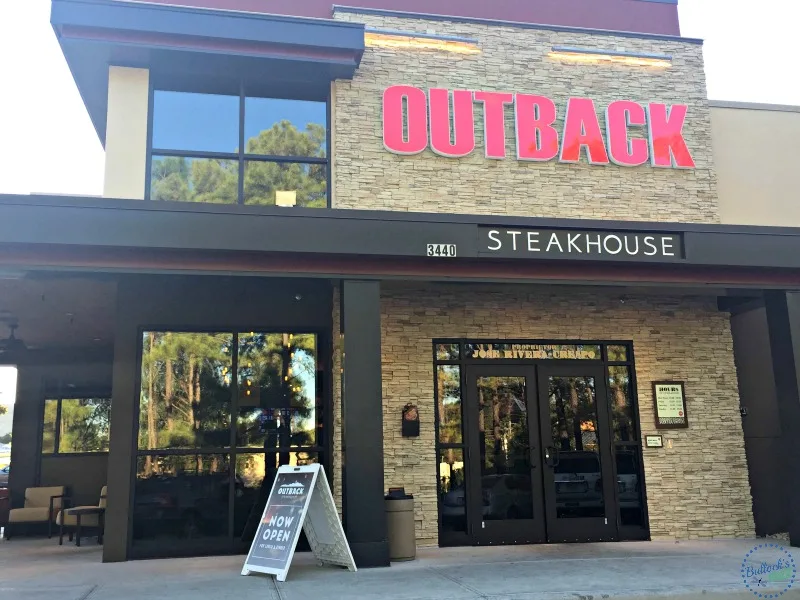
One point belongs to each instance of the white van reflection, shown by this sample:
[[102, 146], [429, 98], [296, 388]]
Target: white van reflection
[[579, 485]]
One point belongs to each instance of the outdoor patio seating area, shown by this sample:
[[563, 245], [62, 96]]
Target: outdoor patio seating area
[[50, 511]]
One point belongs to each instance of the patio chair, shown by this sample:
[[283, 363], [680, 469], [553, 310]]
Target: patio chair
[[69, 522], [41, 506]]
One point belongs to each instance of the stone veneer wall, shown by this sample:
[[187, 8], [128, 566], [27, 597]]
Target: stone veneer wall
[[514, 59], [697, 489]]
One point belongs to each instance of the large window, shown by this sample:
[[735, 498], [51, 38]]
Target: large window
[[219, 412], [238, 149], [76, 425]]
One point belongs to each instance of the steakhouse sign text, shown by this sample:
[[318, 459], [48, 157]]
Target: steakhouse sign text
[[445, 120]]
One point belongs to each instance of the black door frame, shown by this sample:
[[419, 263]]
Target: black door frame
[[511, 531], [453, 358], [579, 529]]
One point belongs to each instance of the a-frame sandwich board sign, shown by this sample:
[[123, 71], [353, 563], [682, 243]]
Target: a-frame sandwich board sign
[[300, 498]]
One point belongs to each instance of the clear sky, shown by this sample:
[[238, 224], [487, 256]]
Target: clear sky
[[749, 53], [8, 390]]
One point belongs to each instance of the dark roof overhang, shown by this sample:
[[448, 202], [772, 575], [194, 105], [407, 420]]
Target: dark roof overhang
[[100, 234], [201, 49]]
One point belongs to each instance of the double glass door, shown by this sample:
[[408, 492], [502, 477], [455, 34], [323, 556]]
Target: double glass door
[[538, 454]]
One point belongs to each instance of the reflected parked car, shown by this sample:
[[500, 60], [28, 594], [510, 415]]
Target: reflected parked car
[[628, 480], [579, 485], [454, 509], [4, 473], [506, 496]]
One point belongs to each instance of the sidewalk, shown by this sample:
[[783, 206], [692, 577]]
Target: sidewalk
[[41, 570]]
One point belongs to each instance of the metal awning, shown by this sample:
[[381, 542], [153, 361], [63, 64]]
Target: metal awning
[[77, 232]]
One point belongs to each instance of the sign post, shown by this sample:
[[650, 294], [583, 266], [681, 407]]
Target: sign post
[[300, 499]]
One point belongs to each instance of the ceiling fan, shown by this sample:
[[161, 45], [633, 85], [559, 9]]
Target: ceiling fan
[[12, 343]]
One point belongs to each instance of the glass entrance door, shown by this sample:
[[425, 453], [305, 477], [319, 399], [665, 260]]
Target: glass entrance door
[[504, 503], [538, 442], [577, 473]]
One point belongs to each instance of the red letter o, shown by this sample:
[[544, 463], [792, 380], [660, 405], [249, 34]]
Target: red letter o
[[395, 122]]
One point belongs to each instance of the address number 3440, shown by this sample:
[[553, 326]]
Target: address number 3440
[[442, 250]]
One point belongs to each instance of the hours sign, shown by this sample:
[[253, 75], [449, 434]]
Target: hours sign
[[670, 404]]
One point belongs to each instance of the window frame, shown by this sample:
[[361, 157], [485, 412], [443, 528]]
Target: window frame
[[323, 451], [59, 398], [242, 157]]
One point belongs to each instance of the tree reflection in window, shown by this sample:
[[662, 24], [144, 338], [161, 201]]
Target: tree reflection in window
[[573, 413], [448, 380], [277, 390], [80, 425], [284, 156], [621, 401], [503, 425], [49, 426], [182, 179], [185, 391], [307, 183]]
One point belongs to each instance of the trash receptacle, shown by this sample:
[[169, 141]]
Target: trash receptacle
[[400, 525]]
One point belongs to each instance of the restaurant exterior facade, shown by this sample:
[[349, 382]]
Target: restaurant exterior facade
[[486, 260]]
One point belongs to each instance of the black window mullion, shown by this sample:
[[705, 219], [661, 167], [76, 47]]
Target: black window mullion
[[183, 451], [195, 154], [278, 450], [149, 157], [279, 158], [57, 432], [241, 144]]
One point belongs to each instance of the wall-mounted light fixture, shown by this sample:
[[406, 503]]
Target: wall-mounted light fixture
[[411, 40], [596, 56]]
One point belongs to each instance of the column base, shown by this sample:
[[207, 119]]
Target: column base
[[370, 554]]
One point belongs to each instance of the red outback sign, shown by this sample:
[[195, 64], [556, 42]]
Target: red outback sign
[[412, 119]]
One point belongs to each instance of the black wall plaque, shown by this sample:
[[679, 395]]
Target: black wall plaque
[[410, 421]]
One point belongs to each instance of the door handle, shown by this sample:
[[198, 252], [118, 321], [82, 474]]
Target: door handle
[[551, 456]]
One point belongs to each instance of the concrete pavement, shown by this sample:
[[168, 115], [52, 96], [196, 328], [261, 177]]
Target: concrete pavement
[[41, 570]]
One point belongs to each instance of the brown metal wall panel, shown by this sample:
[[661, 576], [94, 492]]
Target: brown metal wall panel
[[85, 475], [762, 427], [754, 370], [639, 16], [770, 500]]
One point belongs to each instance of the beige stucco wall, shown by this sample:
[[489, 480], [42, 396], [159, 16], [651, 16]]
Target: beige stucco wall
[[757, 165], [699, 488], [126, 133], [365, 175]]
